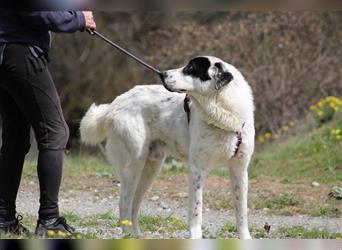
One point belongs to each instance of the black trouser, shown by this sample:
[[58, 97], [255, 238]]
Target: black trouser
[[28, 98]]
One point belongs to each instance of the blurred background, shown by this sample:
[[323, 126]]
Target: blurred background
[[291, 59]]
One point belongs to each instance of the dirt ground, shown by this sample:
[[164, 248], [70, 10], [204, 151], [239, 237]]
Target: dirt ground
[[93, 194]]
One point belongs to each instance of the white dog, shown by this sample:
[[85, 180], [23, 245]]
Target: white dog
[[146, 124]]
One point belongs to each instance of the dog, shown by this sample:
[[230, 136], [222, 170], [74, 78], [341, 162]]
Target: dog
[[212, 127]]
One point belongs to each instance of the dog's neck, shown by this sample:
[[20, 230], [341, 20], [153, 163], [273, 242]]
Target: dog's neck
[[214, 112]]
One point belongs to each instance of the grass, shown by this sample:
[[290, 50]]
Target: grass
[[325, 211], [309, 156], [276, 201], [161, 224], [302, 233], [306, 155]]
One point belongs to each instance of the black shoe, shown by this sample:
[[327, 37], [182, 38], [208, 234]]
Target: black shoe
[[55, 228], [14, 228]]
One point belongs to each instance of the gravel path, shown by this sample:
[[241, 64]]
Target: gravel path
[[87, 204]]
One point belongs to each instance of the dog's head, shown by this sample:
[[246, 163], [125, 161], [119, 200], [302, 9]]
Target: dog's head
[[202, 75]]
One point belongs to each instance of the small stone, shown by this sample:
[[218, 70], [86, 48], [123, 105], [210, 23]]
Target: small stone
[[315, 184], [154, 198], [164, 206], [266, 209], [182, 195]]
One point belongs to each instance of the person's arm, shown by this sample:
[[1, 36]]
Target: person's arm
[[59, 21]]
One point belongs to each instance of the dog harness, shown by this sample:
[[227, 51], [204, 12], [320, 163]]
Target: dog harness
[[187, 110], [186, 107]]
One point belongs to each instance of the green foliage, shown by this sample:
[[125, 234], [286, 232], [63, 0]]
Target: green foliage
[[159, 223], [309, 154], [325, 109], [276, 201], [328, 211], [303, 233]]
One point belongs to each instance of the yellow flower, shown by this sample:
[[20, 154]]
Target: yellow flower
[[51, 233], [320, 113], [268, 135], [338, 137], [61, 234], [127, 223], [261, 139], [337, 131], [292, 123], [313, 107]]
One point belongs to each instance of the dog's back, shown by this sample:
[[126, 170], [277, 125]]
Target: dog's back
[[146, 112]]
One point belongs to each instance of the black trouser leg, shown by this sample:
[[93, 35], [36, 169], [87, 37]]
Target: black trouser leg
[[15, 145], [29, 83], [50, 164]]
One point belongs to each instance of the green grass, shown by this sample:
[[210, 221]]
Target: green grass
[[302, 233], [75, 164], [162, 224], [275, 201], [307, 155], [325, 211]]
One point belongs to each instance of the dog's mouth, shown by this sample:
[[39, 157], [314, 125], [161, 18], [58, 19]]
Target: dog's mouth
[[172, 89], [181, 90], [168, 87]]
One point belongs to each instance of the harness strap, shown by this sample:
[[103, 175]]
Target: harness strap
[[239, 141], [186, 107], [187, 110]]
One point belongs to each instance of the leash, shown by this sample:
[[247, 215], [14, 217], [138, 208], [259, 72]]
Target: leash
[[118, 47]]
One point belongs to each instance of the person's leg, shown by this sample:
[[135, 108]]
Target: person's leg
[[34, 92], [15, 145]]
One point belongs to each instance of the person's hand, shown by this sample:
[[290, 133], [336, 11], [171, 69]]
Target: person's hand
[[89, 20]]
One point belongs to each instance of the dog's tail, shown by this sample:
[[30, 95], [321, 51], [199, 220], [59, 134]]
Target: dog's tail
[[94, 124]]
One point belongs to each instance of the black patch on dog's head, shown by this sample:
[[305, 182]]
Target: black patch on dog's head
[[223, 77], [198, 67]]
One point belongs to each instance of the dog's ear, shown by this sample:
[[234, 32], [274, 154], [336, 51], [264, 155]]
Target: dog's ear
[[222, 77]]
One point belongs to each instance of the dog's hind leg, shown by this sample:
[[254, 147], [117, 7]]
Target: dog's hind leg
[[149, 173], [129, 178], [151, 169], [239, 186]]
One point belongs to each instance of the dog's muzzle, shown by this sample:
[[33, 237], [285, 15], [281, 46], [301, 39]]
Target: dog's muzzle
[[163, 76]]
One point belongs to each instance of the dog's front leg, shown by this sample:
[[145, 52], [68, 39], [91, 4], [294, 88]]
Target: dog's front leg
[[239, 185], [195, 200]]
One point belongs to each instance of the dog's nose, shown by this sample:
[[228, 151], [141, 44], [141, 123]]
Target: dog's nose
[[163, 75]]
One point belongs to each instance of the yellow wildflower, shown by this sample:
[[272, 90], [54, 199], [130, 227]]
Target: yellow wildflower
[[268, 135], [292, 123], [338, 137], [320, 113], [313, 107], [261, 139], [61, 234], [127, 223], [50, 233]]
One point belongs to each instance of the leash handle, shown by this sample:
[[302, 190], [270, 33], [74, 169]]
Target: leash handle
[[95, 33]]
